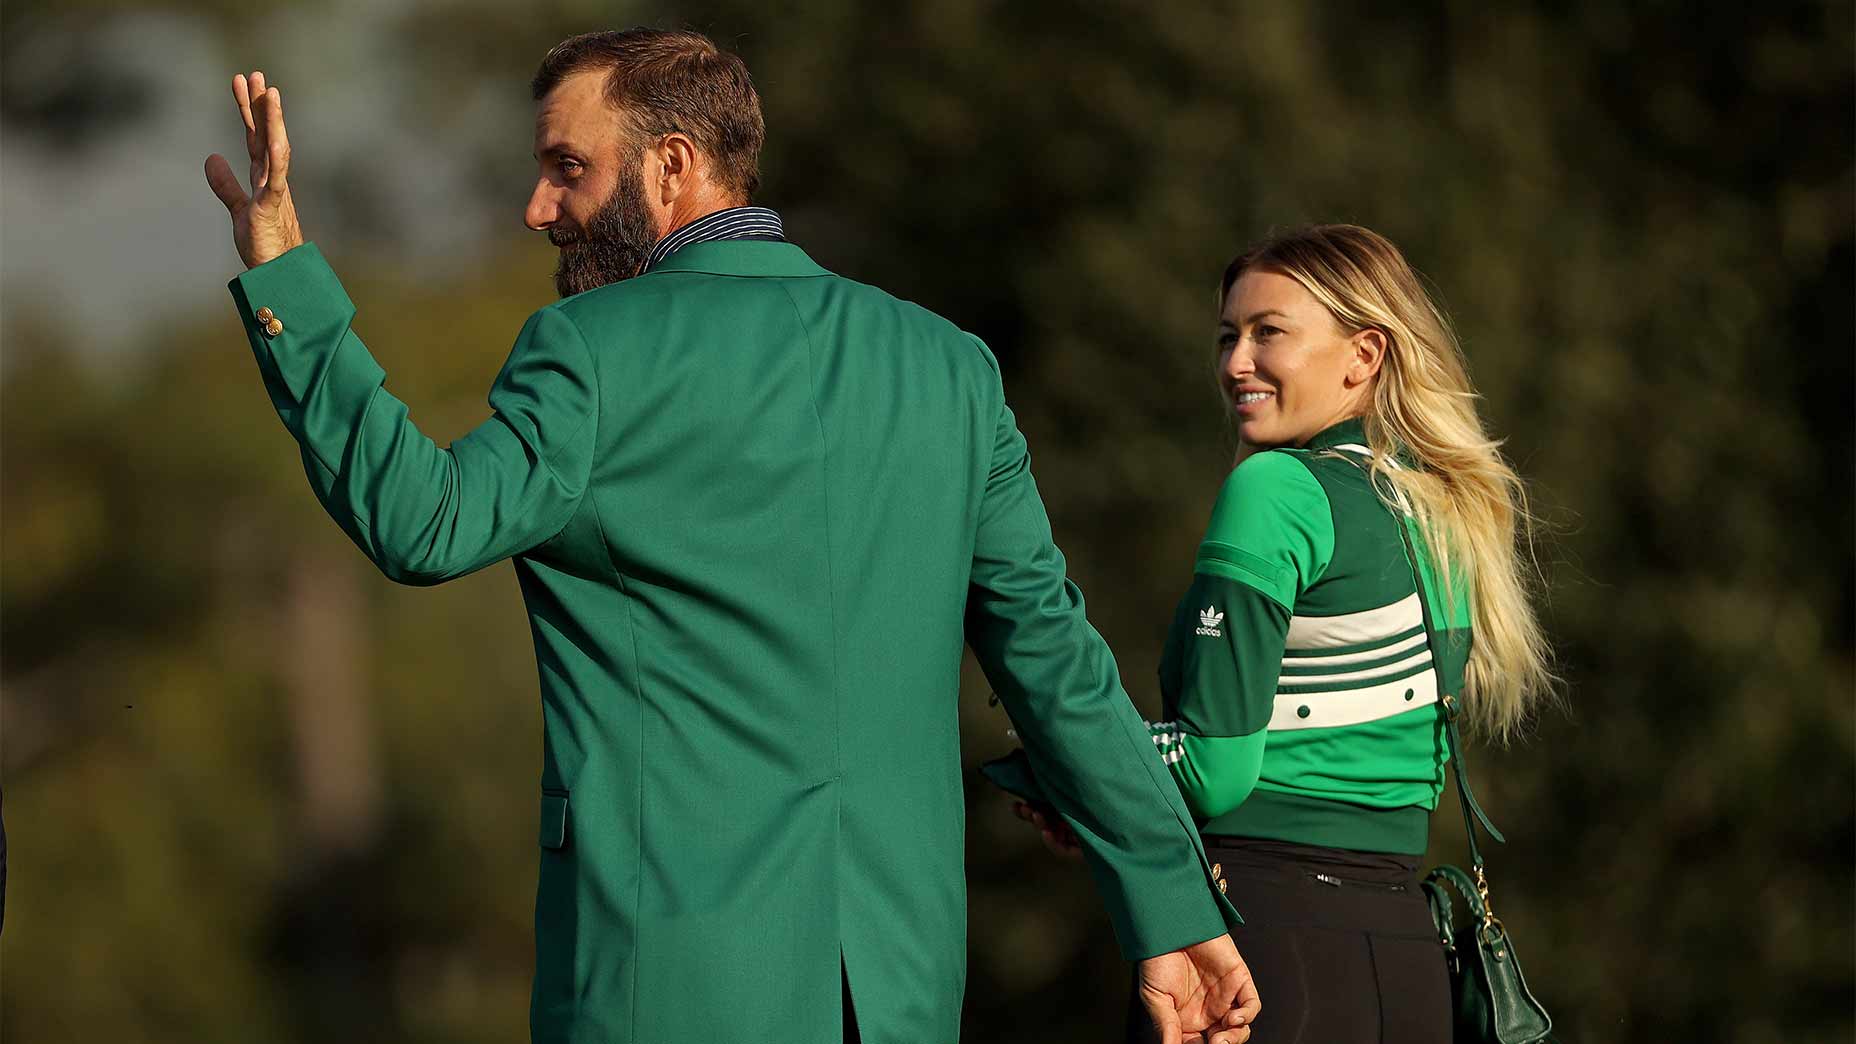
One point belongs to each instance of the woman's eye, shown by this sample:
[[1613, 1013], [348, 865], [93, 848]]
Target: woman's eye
[[1226, 339], [1266, 331]]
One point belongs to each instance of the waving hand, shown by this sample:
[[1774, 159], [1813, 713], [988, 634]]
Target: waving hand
[[264, 223]]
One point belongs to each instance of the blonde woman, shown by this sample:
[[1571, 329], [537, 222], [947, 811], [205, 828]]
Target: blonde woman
[[1362, 564]]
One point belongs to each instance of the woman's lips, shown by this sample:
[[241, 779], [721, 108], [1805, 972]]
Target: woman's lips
[[1250, 402]]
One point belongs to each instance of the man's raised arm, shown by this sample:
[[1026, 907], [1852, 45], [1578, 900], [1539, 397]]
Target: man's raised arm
[[420, 512]]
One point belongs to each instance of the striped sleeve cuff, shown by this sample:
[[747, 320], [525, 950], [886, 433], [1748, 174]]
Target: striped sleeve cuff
[[1168, 739]]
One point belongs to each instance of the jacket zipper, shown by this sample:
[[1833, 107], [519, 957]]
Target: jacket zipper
[[1338, 882]]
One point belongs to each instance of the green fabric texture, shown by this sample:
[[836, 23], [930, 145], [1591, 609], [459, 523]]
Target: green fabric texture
[[1448, 610], [421, 513], [1368, 566], [1218, 680], [1216, 773], [1270, 529], [1281, 816], [754, 509]]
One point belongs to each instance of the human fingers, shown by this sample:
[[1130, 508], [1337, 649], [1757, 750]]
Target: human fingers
[[1046, 824], [1239, 1015], [1234, 991], [1065, 836], [259, 87], [1247, 1003], [1166, 1020], [1023, 811], [1221, 1034], [260, 147], [225, 184], [1051, 826], [278, 142], [1048, 819], [1063, 840], [241, 92], [1052, 843]]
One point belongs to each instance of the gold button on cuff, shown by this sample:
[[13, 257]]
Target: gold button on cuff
[[274, 327], [265, 315]]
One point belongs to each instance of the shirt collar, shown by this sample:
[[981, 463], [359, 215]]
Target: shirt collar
[[730, 223]]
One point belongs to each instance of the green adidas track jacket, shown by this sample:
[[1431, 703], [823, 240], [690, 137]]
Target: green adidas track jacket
[[1302, 675]]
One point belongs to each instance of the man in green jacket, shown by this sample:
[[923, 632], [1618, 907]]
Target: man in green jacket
[[754, 509]]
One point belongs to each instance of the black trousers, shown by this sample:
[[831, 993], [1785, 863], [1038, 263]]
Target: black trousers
[[1340, 944]]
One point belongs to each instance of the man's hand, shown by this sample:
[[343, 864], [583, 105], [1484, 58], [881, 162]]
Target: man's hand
[[1201, 993], [263, 223]]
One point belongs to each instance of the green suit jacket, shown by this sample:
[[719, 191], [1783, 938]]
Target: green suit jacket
[[755, 509]]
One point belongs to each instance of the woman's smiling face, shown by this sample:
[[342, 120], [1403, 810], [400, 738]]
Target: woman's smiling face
[[1287, 368]]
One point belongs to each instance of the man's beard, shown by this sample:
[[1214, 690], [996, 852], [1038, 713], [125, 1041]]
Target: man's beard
[[612, 245]]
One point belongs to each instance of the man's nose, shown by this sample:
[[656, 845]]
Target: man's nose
[[544, 207]]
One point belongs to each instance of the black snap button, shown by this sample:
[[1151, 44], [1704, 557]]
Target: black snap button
[[1301, 712], [1409, 695]]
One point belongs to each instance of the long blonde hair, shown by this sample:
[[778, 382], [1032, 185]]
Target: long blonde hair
[[1431, 450]]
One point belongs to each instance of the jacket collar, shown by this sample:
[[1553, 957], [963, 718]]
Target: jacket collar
[[740, 257], [1350, 432], [727, 223]]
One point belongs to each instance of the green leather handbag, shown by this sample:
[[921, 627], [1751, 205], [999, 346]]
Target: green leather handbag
[[1492, 1002]]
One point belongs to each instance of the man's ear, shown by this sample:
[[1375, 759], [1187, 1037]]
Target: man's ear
[[675, 172], [1369, 354]]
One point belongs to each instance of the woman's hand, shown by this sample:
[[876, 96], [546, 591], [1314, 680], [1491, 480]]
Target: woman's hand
[[1058, 837]]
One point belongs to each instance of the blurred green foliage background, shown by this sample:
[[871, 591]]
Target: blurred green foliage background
[[254, 792]]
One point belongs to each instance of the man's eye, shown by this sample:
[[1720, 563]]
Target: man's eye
[[570, 166]]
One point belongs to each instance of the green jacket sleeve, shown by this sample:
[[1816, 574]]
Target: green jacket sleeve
[[1215, 773], [422, 513], [1218, 683], [1086, 743], [1270, 537]]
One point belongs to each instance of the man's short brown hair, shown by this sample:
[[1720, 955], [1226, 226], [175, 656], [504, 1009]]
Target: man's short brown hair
[[666, 80]]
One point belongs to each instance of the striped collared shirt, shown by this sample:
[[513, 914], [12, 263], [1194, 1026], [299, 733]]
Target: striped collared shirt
[[732, 223]]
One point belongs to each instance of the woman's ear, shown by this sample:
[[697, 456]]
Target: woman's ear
[[1369, 354]]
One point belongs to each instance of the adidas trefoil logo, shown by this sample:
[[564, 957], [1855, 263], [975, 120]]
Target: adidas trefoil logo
[[1210, 623]]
